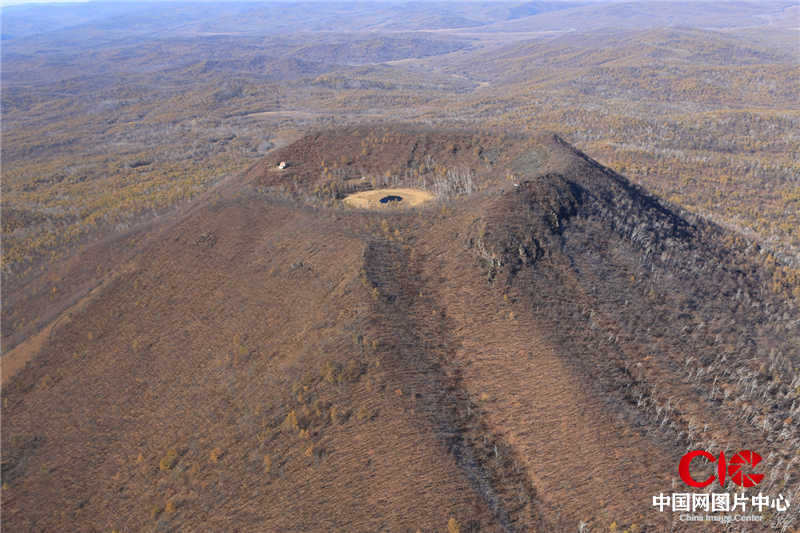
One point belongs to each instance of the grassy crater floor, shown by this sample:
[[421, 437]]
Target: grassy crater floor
[[372, 199]]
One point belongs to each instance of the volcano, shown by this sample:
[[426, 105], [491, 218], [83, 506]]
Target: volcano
[[532, 348]]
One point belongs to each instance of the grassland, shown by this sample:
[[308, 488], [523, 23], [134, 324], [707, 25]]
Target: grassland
[[372, 199]]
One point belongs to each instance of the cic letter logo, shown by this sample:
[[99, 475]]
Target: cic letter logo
[[732, 468]]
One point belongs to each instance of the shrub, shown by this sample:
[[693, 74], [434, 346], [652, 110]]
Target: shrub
[[215, 454], [169, 460], [339, 415], [290, 423], [156, 511], [453, 526], [364, 414], [353, 370], [331, 372]]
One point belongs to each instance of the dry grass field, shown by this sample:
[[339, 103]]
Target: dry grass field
[[377, 199]]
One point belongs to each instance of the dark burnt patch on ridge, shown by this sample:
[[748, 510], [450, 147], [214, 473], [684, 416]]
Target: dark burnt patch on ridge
[[523, 225], [527, 222], [650, 303]]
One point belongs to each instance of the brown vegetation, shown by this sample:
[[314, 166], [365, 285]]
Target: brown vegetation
[[196, 338], [316, 367]]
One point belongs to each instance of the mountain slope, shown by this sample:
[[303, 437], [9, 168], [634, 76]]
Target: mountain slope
[[531, 351]]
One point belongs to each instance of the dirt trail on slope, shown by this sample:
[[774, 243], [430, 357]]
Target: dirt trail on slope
[[15, 360]]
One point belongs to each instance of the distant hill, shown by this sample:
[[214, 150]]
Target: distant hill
[[660, 52], [642, 15], [131, 19]]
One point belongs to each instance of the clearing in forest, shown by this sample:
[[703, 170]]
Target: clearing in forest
[[389, 198]]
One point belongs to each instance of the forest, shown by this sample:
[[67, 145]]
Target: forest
[[108, 124]]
